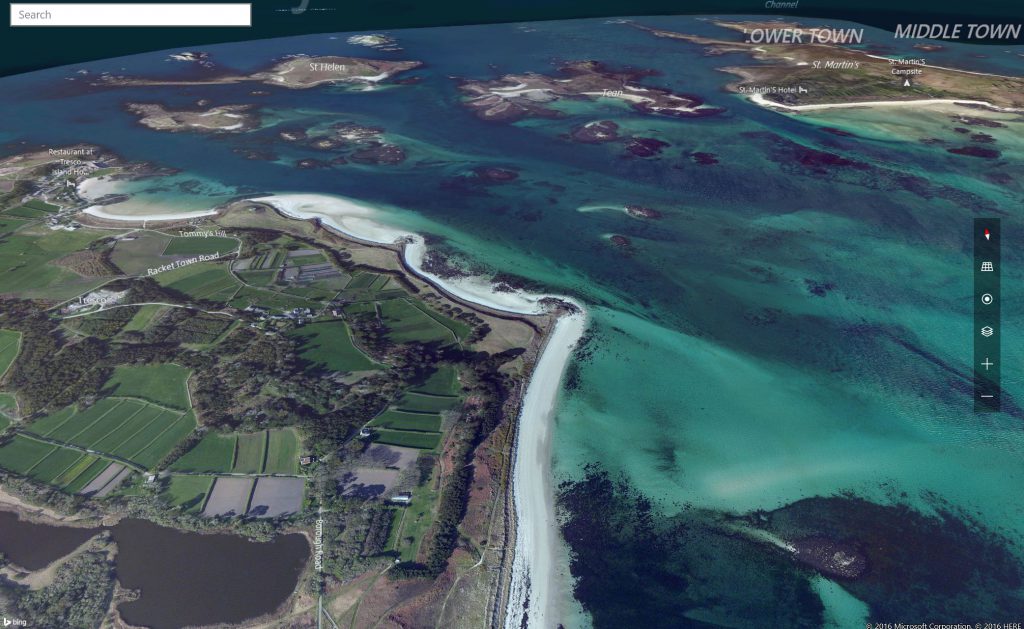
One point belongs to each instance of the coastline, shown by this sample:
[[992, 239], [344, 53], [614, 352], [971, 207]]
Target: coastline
[[531, 599], [759, 99], [98, 212], [94, 189], [533, 585], [360, 222], [533, 590]]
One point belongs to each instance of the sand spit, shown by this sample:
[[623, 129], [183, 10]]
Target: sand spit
[[364, 222], [929, 102], [535, 588]]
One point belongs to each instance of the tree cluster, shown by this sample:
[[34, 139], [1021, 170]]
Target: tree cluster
[[78, 597]]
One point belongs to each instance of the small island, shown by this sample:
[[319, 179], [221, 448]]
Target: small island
[[298, 72], [795, 75], [223, 119], [517, 96]]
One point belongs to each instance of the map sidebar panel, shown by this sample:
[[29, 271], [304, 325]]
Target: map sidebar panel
[[988, 332]]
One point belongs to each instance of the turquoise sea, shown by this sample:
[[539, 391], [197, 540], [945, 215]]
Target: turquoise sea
[[786, 351]]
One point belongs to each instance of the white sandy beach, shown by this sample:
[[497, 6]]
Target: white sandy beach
[[97, 187], [929, 102], [363, 222], [535, 589], [99, 212]]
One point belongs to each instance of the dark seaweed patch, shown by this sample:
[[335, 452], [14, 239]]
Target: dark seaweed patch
[[797, 159], [839, 132], [820, 289], [636, 567], [584, 353], [975, 151], [916, 567], [704, 158]]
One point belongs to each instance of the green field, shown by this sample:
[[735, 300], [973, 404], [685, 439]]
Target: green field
[[23, 211], [127, 429], [407, 323], [215, 453], [75, 470], [8, 405], [75, 467], [257, 278], [10, 343], [122, 424], [8, 225], [142, 318], [422, 440], [251, 296], [249, 453], [361, 280], [270, 452], [21, 454], [188, 492], [39, 204], [315, 258], [4, 423], [66, 468], [50, 423], [365, 286], [422, 403], [201, 280], [94, 469], [162, 384], [441, 382], [54, 464], [154, 443], [309, 292], [194, 246], [283, 452], [33, 209], [458, 328], [398, 420], [92, 424], [139, 252], [329, 345], [25, 263], [411, 522]]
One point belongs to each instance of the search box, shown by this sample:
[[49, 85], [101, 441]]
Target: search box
[[149, 14]]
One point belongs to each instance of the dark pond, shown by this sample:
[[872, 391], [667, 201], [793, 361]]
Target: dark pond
[[35, 546], [184, 578]]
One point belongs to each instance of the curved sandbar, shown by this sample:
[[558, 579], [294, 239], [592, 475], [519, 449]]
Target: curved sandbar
[[928, 102], [363, 222], [99, 212], [533, 593]]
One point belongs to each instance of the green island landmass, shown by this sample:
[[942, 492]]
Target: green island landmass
[[834, 73], [252, 381]]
